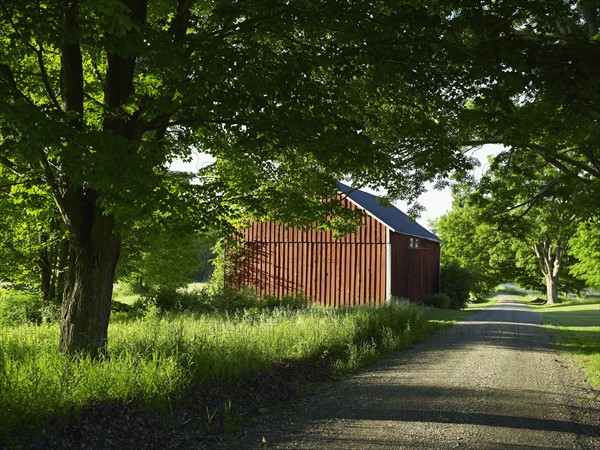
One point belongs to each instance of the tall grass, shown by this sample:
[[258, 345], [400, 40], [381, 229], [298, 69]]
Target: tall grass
[[155, 357]]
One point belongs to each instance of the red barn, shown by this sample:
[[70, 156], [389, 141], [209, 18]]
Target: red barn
[[390, 256]]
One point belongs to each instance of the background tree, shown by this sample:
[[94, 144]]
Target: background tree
[[158, 256], [472, 243], [585, 247], [534, 209], [32, 244]]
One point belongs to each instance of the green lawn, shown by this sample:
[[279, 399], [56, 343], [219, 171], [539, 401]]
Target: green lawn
[[125, 294], [576, 326], [450, 317]]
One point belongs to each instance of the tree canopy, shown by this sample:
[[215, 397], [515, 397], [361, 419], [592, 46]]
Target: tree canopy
[[585, 247], [288, 96], [517, 224]]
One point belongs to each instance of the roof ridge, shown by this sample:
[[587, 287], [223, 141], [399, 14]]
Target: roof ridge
[[391, 216]]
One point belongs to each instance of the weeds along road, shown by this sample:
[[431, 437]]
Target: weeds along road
[[493, 382]]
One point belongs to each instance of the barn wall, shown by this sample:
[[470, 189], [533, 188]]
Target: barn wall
[[415, 270], [344, 272]]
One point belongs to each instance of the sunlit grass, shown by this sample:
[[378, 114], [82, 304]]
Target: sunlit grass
[[154, 358], [450, 317], [124, 294], [196, 286], [576, 325]]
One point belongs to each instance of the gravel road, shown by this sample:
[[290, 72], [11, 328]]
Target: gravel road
[[493, 382]]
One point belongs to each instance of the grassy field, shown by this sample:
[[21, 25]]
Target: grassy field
[[125, 294], [449, 317], [576, 326], [155, 357]]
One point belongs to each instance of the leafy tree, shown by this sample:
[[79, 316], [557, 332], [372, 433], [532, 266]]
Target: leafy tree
[[544, 101], [539, 226], [585, 247], [32, 244], [514, 225], [97, 96], [473, 244], [207, 258], [158, 257]]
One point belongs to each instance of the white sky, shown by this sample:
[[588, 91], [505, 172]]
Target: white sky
[[436, 202]]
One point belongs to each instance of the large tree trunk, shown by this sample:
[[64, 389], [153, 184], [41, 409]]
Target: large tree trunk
[[550, 262], [94, 251], [551, 289], [93, 244]]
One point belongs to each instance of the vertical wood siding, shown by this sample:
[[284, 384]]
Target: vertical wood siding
[[415, 271], [349, 271]]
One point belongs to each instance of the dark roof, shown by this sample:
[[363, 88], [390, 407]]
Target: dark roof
[[390, 216]]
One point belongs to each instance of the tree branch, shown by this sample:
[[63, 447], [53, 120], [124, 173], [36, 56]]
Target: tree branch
[[52, 181], [118, 84], [159, 123], [39, 55], [178, 26], [177, 29], [529, 202], [557, 159], [10, 166], [45, 78], [71, 68], [17, 183], [226, 31], [10, 78]]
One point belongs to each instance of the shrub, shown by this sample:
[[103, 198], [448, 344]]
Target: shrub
[[117, 306], [49, 312], [203, 300], [227, 300], [21, 308], [440, 300], [166, 300], [456, 282]]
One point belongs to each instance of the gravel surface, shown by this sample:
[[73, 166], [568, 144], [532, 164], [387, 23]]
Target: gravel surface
[[495, 381]]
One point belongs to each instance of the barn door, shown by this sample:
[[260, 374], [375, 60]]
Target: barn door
[[420, 274]]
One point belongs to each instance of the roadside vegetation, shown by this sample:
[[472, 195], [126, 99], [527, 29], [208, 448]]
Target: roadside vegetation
[[450, 317], [173, 340], [155, 355], [575, 324]]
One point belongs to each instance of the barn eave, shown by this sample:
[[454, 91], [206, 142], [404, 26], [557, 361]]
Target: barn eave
[[390, 217]]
